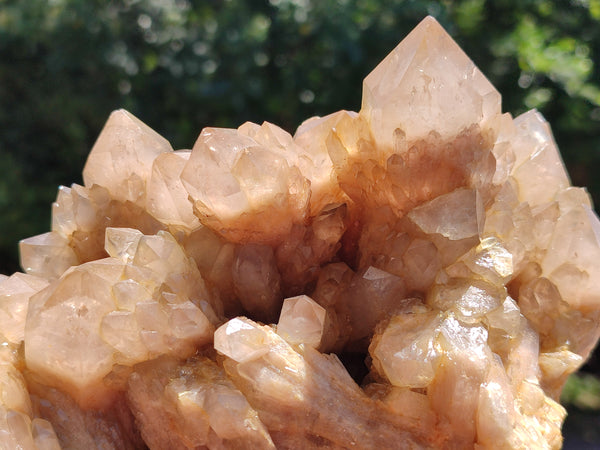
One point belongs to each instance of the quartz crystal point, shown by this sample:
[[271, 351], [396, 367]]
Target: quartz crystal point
[[243, 188], [146, 300], [312, 137], [121, 159], [301, 321], [167, 199], [81, 215], [47, 255], [426, 84], [433, 275]]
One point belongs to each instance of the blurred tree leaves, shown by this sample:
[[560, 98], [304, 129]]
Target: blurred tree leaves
[[181, 65], [583, 391]]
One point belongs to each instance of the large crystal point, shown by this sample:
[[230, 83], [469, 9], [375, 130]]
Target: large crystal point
[[121, 159], [145, 301], [426, 84], [61, 335]]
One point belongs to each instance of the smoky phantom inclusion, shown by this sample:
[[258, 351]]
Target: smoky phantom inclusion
[[199, 298]]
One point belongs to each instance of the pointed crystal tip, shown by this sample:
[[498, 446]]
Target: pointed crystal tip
[[427, 84]]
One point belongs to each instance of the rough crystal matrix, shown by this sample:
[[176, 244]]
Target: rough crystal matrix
[[419, 274]]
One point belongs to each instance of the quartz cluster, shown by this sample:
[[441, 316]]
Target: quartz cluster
[[419, 274]]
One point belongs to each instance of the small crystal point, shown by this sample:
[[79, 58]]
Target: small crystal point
[[47, 255], [241, 340], [167, 200], [15, 292], [301, 321], [122, 243], [453, 215]]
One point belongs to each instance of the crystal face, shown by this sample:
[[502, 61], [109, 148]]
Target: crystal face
[[206, 298]]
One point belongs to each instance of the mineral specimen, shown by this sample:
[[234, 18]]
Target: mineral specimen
[[419, 274]]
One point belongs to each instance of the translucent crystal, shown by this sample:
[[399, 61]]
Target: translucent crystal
[[116, 311], [456, 215], [311, 136], [15, 292], [426, 84], [538, 168], [232, 179], [406, 350], [167, 199], [121, 159], [433, 274], [80, 428], [122, 243], [279, 381], [572, 255], [257, 281], [47, 255], [193, 404], [241, 340], [301, 321], [78, 358]]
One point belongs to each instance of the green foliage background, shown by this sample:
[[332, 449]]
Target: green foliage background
[[181, 65]]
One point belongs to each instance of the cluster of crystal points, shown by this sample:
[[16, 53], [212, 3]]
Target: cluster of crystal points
[[198, 298]]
